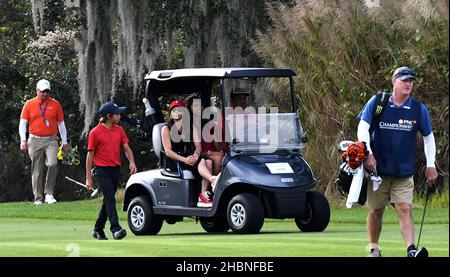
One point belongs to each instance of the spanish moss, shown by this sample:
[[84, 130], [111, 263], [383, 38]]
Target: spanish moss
[[126, 39]]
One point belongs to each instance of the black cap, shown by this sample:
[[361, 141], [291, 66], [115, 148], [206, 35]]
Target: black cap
[[110, 108]]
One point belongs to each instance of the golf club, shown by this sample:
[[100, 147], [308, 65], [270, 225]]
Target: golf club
[[94, 193], [423, 216]]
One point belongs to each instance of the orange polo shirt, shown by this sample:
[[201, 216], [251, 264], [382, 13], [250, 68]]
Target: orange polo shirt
[[53, 114]]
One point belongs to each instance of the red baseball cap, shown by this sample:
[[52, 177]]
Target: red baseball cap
[[176, 103]]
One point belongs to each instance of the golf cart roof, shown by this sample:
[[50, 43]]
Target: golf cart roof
[[199, 81], [235, 72]]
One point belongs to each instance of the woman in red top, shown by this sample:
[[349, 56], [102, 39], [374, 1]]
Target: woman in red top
[[104, 144], [212, 151], [186, 151]]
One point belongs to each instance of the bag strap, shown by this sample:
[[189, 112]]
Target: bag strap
[[380, 103]]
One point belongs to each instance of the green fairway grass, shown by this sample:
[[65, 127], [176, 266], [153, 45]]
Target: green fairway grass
[[64, 229]]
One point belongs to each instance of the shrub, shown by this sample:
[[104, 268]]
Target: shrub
[[344, 52]]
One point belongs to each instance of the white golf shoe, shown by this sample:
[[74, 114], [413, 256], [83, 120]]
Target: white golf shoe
[[375, 252], [49, 199]]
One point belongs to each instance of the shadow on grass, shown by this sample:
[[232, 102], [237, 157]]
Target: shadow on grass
[[261, 233]]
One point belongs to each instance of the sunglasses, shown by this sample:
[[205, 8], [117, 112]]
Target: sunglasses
[[45, 91]]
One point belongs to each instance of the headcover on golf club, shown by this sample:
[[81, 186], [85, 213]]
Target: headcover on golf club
[[420, 252], [355, 154], [94, 193]]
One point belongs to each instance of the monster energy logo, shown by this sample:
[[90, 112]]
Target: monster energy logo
[[379, 109]]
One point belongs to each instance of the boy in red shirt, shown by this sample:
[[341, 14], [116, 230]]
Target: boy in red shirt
[[104, 144]]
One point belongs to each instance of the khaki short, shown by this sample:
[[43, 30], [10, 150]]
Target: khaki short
[[392, 190]]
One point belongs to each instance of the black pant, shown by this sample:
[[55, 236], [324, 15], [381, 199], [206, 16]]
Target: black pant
[[109, 180]]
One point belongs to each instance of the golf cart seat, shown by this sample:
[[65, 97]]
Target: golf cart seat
[[169, 167]]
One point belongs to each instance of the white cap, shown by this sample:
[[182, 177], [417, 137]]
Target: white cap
[[43, 85]]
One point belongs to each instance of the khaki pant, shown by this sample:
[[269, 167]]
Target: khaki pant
[[43, 151], [392, 190]]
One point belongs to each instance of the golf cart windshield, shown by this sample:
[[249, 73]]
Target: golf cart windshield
[[264, 132]]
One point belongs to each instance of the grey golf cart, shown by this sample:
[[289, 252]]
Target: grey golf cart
[[263, 174]]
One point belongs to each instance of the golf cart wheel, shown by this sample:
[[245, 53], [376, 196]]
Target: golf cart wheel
[[245, 214], [217, 224], [141, 219], [317, 213]]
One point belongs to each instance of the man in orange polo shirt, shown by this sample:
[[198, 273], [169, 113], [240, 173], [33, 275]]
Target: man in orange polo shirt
[[44, 117]]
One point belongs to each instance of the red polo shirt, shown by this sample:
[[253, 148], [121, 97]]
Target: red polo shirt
[[106, 144]]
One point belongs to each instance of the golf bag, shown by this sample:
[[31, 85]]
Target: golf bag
[[344, 180]]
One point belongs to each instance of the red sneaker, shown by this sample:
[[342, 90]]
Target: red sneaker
[[204, 201]]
